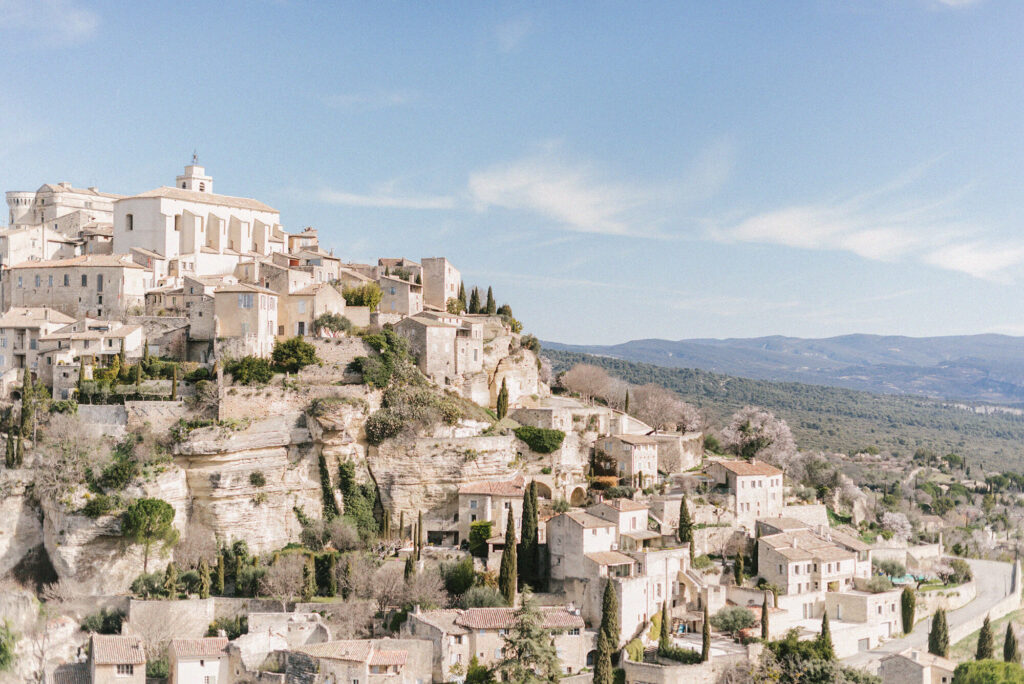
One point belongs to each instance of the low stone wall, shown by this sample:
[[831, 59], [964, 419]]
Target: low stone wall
[[104, 419], [160, 415], [948, 599], [666, 672], [262, 402], [155, 620], [226, 606]]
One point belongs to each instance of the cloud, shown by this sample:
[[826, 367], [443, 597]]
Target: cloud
[[511, 34], [386, 200], [573, 196], [54, 22], [988, 261], [958, 3], [384, 99]]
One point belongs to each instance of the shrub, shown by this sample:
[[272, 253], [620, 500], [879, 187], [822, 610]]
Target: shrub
[[889, 568], [458, 576], [878, 584], [479, 533], [64, 406], [988, 672], [331, 321], [119, 473], [104, 622], [702, 562], [8, 640], [368, 294], [293, 355], [540, 440], [157, 669], [201, 373], [101, 504], [732, 619], [686, 656], [257, 479], [635, 650], [482, 596], [148, 585], [619, 493], [249, 370]]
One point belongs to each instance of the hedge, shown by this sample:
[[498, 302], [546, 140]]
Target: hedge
[[540, 440]]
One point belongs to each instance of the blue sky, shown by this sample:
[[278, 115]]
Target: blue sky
[[614, 170]]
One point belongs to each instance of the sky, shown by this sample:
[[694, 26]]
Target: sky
[[613, 170]]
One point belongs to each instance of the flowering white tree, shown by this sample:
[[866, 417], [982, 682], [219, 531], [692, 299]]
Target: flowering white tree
[[661, 408], [898, 524], [755, 432]]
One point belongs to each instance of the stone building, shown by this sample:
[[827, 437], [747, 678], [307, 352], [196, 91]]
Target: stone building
[[635, 457], [913, 666], [402, 297], [95, 285], [246, 315], [60, 206], [445, 345], [571, 536], [441, 282], [493, 502], [298, 310], [20, 330], [202, 661], [374, 661], [755, 486], [116, 659]]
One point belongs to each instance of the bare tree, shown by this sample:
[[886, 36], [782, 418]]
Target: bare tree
[[425, 589], [355, 621], [283, 579], [197, 544], [65, 452], [356, 574], [755, 432], [344, 535], [388, 586], [157, 628], [661, 408], [587, 380]]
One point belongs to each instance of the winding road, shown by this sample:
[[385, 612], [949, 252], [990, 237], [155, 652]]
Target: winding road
[[993, 580]]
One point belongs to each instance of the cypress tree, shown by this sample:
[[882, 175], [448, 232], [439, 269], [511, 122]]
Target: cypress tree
[[462, 296], [218, 584], [603, 662], [171, 581], [529, 548], [663, 639], [1010, 644], [474, 301], [938, 637], [174, 383], [410, 568], [737, 569], [19, 453], [27, 404], [509, 574], [824, 641], [610, 616], [145, 352], [492, 307], [764, 617], [387, 525], [985, 642], [419, 534], [120, 355], [332, 574], [401, 526], [705, 642], [138, 378], [908, 605], [625, 408], [346, 580], [327, 490], [204, 579], [11, 453], [502, 406], [684, 531], [81, 377], [308, 580]]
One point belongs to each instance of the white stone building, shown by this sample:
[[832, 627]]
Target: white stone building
[[202, 661], [755, 488]]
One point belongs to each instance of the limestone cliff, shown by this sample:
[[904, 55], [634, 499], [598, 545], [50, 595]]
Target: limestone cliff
[[21, 528]]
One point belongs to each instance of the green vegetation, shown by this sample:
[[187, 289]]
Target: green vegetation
[[360, 501], [479, 533], [249, 370], [508, 573], [147, 521], [938, 637], [831, 418], [540, 440], [732, 619], [293, 355], [331, 321], [368, 295], [410, 402], [908, 606], [988, 672], [233, 626], [8, 640]]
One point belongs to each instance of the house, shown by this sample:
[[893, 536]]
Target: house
[[755, 487], [441, 282], [402, 297], [571, 536], [630, 519], [445, 345], [194, 230], [634, 457], [202, 661], [34, 243], [271, 274], [116, 659], [95, 285], [307, 239], [374, 661], [325, 266], [247, 315], [297, 311], [458, 635], [20, 330], [407, 269], [60, 206], [94, 340], [493, 502], [913, 666]]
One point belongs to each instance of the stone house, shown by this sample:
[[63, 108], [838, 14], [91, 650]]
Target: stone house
[[203, 661], [458, 635], [445, 346], [278, 277], [325, 266], [441, 282], [630, 518], [916, 667], [116, 659], [370, 661], [97, 238], [399, 296], [571, 536], [247, 315], [307, 239], [388, 266], [298, 310], [756, 488], [34, 243], [98, 341], [679, 452], [634, 457], [349, 277], [491, 501], [20, 330], [96, 285]]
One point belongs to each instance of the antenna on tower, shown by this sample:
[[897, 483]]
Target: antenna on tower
[[195, 157]]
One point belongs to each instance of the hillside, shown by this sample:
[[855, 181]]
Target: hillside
[[987, 368], [833, 418]]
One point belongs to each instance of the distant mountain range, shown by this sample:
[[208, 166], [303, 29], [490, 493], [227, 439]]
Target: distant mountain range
[[980, 368]]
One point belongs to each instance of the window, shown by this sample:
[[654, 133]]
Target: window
[[67, 280], [302, 306], [125, 670], [39, 281], [129, 221], [245, 300], [19, 281], [99, 283], [50, 281], [32, 343], [208, 679], [575, 631], [472, 504], [85, 280], [202, 187], [497, 654]]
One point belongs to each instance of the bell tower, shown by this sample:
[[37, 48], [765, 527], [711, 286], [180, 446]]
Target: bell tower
[[194, 178]]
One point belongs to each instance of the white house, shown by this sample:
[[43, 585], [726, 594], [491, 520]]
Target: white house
[[199, 661]]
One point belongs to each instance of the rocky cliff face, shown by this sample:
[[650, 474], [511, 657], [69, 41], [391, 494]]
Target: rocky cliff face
[[21, 525]]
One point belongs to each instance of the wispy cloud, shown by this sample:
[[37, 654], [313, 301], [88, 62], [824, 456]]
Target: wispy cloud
[[575, 196], [386, 200], [511, 34], [986, 260], [384, 99], [958, 3], [53, 22]]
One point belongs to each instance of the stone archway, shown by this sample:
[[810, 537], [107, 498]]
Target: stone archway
[[578, 496], [543, 491]]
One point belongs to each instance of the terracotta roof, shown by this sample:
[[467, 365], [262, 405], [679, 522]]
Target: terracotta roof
[[640, 535], [208, 647], [32, 317], [924, 659], [806, 545], [784, 524], [401, 261], [385, 658], [444, 620], [244, 287], [504, 618], [206, 198], [505, 488], [116, 649], [352, 649], [587, 520], [745, 468], [636, 440], [71, 673], [86, 260], [610, 558], [624, 505]]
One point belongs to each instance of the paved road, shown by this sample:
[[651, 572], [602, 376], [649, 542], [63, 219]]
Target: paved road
[[993, 583]]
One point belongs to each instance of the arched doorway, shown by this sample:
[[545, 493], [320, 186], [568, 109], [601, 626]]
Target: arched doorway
[[578, 496], [543, 491]]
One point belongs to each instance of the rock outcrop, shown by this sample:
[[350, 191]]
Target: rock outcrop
[[21, 529]]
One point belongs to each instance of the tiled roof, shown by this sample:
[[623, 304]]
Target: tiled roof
[[208, 647], [32, 317], [353, 649], [505, 618], [147, 253], [206, 198], [637, 440], [444, 620], [610, 558], [745, 468], [587, 520], [384, 658], [57, 187], [244, 287], [71, 673], [784, 524], [117, 650], [85, 260], [624, 505], [805, 545], [924, 659], [503, 488]]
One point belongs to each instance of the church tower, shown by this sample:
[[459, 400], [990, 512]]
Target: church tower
[[194, 178]]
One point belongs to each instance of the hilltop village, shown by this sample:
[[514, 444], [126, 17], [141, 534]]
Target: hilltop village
[[233, 456]]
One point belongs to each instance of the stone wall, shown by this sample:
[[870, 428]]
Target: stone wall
[[104, 419], [185, 619], [160, 415], [273, 400]]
